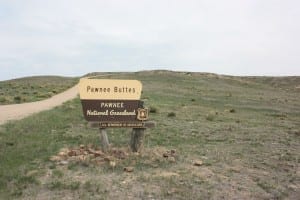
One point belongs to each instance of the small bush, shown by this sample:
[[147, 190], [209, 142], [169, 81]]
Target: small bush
[[171, 114], [153, 109], [3, 99], [17, 99], [210, 117], [74, 185], [44, 95], [57, 173], [88, 185], [55, 185], [232, 110]]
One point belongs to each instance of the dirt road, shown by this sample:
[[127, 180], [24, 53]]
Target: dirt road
[[19, 111]]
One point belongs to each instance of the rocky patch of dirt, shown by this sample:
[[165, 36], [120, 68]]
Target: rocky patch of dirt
[[89, 154]]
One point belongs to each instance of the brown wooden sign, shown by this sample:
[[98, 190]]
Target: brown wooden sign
[[110, 110], [112, 103]]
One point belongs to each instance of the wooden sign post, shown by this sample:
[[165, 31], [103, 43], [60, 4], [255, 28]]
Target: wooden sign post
[[108, 103]]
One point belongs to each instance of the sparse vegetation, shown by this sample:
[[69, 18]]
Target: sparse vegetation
[[3, 99], [232, 110], [33, 88], [252, 153], [210, 117], [171, 114], [153, 109]]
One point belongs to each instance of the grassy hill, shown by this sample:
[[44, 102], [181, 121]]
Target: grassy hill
[[216, 137], [33, 88]]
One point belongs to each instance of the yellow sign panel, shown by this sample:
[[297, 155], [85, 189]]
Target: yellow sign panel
[[110, 89]]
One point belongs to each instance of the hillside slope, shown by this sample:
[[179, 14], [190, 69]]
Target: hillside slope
[[217, 137], [34, 88]]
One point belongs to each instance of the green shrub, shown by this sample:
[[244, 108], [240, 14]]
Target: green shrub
[[232, 110], [74, 185], [210, 117], [171, 114], [17, 99], [153, 109], [3, 99]]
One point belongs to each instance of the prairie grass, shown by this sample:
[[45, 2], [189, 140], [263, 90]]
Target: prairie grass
[[251, 153], [31, 89]]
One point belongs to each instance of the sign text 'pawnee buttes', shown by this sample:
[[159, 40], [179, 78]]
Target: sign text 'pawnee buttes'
[[112, 103]]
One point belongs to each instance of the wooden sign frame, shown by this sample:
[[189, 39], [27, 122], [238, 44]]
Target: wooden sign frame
[[108, 103]]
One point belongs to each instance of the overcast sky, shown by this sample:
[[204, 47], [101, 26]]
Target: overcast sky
[[237, 37]]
